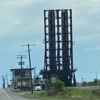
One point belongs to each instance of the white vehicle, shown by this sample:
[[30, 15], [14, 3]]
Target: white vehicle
[[38, 88], [15, 90]]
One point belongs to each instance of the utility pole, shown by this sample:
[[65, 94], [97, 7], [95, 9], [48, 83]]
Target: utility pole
[[96, 77], [7, 79], [96, 74], [3, 78], [21, 63], [30, 63], [34, 72]]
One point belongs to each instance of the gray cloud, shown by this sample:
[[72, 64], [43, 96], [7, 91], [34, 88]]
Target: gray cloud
[[93, 49], [24, 19]]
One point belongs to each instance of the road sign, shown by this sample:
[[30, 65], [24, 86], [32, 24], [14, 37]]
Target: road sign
[[53, 79], [20, 63]]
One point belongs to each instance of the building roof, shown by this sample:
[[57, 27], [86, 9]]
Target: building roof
[[22, 69]]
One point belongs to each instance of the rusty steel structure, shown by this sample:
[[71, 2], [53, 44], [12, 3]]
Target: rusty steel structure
[[58, 57]]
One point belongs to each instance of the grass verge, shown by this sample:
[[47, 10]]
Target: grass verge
[[69, 94]]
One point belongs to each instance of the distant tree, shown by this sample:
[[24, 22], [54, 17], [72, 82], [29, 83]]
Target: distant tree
[[84, 83], [91, 83], [95, 82]]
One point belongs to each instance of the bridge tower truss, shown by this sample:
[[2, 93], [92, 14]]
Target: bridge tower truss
[[58, 40]]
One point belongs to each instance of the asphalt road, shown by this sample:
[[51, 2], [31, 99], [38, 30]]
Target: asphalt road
[[10, 95]]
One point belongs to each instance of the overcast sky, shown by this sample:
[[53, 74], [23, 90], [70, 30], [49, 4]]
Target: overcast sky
[[21, 23]]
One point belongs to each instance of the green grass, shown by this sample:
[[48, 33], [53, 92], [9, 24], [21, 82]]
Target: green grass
[[82, 94], [69, 94]]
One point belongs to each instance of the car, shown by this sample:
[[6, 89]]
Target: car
[[12, 89], [15, 90], [38, 88]]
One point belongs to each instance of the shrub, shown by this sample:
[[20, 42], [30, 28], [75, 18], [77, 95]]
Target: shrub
[[56, 87]]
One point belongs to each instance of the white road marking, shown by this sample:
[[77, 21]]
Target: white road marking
[[8, 96]]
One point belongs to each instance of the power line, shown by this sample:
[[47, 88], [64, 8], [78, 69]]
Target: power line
[[87, 72], [11, 54]]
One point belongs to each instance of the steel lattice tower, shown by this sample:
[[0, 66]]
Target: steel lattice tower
[[58, 57]]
